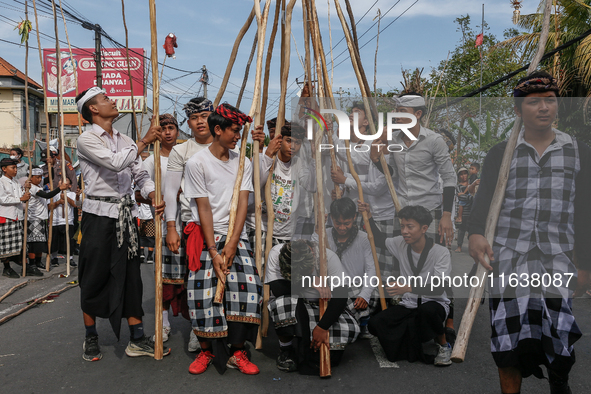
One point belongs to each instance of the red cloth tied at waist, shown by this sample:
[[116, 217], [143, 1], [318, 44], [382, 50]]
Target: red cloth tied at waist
[[194, 245]]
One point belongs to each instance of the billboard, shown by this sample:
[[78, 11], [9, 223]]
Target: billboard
[[116, 79]]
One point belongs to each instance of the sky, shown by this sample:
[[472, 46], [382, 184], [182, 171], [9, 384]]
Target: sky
[[206, 31]]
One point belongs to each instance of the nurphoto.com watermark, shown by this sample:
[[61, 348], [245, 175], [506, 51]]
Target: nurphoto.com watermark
[[344, 130]]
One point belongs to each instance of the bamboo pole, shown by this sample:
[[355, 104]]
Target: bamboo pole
[[75, 65], [325, 370], [58, 57], [257, 190], [361, 197], [365, 93], [254, 111], [44, 84], [158, 348], [459, 350], [239, 38], [322, 94], [137, 137], [247, 70], [28, 127], [13, 289]]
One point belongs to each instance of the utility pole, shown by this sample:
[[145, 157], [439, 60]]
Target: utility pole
[[97, 51], [97, 54], [204, 80], [340, 93]]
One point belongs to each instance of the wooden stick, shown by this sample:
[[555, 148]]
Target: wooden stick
[[239, 38], [13, 289], [459, 350], [262, 23], [158, 348], [247, 70], [361, 197], [35, 302], [365, 93], [322, 94], [137, 137], [43, 83], [28, 127], [76, 82], [257, 190], [325, 370], [58, 56]]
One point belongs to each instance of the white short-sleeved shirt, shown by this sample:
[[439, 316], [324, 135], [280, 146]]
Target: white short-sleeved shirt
[[58, 213], [37, 205], [333, 268], [208, 176]]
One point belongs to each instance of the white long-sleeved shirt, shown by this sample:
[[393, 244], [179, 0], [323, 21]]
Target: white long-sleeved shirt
[[11, 192], [109, 164]]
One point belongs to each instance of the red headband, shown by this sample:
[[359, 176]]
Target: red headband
[[235, 117]]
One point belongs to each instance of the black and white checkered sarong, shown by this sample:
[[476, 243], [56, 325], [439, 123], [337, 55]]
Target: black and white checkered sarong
[[344, 331], [11, 238], [523, 313], [243, 294]]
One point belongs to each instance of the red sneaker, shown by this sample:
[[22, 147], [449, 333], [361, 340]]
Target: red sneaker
[[202, 361], [241, 362]]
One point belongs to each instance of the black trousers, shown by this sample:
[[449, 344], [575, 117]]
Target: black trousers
[[110, 283]]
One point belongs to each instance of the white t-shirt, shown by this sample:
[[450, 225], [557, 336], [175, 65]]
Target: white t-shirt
[[273, 273], [282, 192], [37, 205], [176, 161], [207, 176], [58, 212], [148, 165]]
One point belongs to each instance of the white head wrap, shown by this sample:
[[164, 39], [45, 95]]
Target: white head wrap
[[90, 93], [410, 101], [36, 171]]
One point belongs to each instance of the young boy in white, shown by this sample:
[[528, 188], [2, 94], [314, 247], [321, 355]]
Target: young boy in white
[[209, 184], [58, 241]]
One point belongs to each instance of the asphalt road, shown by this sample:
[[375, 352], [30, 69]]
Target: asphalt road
[[41, 352]]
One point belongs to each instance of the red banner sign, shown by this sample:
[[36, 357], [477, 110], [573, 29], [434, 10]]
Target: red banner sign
[[116, 80]]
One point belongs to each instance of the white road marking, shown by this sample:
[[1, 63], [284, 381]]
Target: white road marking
[[380, 355]]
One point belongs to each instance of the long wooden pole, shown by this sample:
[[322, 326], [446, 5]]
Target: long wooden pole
[[137, 137], [28, 128], [361, 197], [158, 349], [366, 94], [44, 84], [247, 70], [257, 189], [239, 38], [60, 110], [254, 111], [459, 351], [75, 65]]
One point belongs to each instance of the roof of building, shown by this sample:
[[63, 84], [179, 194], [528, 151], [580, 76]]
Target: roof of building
[[8, 70], [71, 119]]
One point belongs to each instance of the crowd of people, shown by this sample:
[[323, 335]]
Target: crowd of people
[[542, 222]]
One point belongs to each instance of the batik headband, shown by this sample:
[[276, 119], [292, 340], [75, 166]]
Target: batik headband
[[192, 108], [534, 85]]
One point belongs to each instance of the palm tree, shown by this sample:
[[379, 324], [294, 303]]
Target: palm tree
[[495, 131], [573, 64]]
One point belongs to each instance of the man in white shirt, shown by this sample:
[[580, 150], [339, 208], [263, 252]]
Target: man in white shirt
[[209, 183], [174, 266], [109, 273], [12, 196]]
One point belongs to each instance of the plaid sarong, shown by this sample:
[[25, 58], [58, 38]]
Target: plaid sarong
[[385, 259], [174, 266], [372, 305], [243, 295], [11, 238], [344, 331], [124, 220], [525, 313], [304, 228], [251, 234], [37, 231]]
